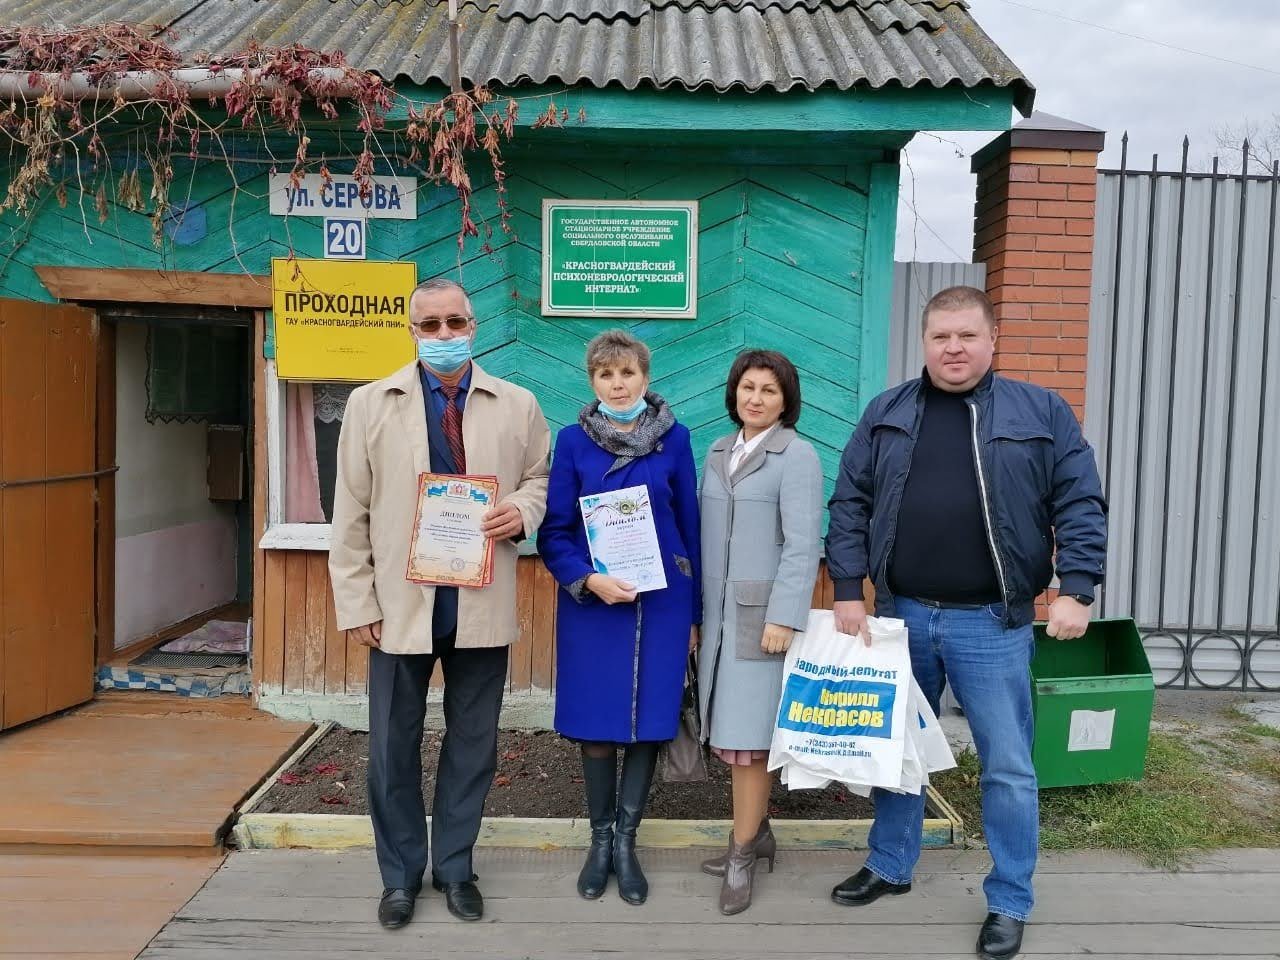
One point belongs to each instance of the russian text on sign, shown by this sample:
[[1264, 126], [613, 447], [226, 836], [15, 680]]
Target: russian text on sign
[[386, 198]]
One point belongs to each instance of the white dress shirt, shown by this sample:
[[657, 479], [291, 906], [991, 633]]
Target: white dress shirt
[[742, 448]]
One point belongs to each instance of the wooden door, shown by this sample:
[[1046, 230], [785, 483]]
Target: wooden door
[[48, 475]]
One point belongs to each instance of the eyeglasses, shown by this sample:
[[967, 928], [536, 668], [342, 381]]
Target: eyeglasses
[[432, 324]]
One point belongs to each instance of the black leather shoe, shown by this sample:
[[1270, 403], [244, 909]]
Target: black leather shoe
[[462, 898], [865, 887], [1000, 937], [396, 907]]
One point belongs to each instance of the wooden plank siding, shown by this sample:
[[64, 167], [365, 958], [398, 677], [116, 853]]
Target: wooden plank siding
[[762, 282], [789, 258], [334, 668]]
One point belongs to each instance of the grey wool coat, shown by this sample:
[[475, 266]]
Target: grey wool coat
[[761, 537]]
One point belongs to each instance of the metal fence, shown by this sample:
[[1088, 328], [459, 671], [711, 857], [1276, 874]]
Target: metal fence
[[1183, 408], [913, 285]]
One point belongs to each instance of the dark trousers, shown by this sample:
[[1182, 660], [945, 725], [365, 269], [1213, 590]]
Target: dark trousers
[[473, 685]]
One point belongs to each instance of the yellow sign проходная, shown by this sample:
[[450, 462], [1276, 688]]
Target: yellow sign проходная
[[341, 319]]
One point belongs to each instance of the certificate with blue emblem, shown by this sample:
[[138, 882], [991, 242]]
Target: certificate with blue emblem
[[622, 537], [448, 548]]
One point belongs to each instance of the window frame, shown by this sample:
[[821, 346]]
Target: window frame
[[280, 535]]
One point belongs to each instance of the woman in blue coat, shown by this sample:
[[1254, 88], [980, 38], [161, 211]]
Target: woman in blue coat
[[621, 654]]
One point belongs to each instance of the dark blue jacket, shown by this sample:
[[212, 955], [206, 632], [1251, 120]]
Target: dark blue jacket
[[1037, 478]]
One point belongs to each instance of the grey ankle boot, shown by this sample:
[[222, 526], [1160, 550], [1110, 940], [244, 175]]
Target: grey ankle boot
[[766, 849]]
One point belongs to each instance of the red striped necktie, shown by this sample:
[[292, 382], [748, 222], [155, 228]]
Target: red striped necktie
[[453, 427]]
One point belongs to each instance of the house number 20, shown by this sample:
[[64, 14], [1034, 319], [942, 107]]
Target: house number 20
[[344, 238]]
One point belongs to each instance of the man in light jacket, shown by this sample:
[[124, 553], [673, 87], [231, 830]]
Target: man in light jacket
[[440, 414], [958, 495]]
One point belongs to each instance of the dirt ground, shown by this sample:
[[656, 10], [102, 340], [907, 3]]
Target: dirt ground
[[539, 775], [1212, 724]]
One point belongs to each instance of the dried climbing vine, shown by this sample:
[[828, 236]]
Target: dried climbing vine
[[63, 144]]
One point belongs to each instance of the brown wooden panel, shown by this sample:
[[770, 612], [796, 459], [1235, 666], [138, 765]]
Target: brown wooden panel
[[22, 435], [258, 470], [70, 402], [335, 642], [520, 663], [157, 286], [544, 628], [295, 620], [105, 529], [271, 648], [316, 607]]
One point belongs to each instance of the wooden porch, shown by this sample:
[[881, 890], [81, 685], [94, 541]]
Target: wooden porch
[[137, 770], [265, 904]]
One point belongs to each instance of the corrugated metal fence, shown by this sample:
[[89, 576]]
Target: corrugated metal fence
[[1184, 410], [913, 285]]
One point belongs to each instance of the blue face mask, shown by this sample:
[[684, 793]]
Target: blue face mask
[[445, 356], [628, 415]]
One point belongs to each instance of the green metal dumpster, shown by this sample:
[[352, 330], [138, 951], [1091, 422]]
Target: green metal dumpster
[[1092, 700]]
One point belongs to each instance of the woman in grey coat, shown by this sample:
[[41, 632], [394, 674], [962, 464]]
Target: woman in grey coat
[[761, 530]]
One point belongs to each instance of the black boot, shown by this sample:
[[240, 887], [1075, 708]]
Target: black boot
[[638, 761], [600, 780]]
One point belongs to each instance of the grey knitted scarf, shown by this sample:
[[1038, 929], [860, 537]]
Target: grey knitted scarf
[[651, 426]]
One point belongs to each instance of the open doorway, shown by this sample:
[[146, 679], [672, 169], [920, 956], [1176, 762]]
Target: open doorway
[[183, 511]]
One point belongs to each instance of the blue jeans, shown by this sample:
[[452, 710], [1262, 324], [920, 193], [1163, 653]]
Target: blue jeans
[[987, 667]]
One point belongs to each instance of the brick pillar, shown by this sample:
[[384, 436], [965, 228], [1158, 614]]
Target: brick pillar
[[1033, 227]]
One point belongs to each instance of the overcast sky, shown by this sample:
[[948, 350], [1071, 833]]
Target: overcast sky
[[1113, 82]]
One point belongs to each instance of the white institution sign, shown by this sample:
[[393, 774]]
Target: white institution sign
[[391, 198]]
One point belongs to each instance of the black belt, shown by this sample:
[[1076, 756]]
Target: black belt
[[946, 605]]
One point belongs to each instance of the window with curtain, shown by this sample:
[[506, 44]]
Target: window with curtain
[[195, 372], [313, 418]]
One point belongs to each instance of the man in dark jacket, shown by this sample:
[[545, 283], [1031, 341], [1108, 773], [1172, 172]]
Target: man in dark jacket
[[958, 494]]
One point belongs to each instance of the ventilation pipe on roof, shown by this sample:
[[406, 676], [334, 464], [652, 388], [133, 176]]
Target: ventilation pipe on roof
[[455, 60], [201, 83]]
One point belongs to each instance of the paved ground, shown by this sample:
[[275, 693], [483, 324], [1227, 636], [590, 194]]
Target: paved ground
[[318, 906]]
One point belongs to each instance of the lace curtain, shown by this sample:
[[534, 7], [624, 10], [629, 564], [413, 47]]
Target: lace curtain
[[311, 410]]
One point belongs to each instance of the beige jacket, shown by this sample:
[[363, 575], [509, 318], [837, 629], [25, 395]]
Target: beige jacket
[[381, 451]]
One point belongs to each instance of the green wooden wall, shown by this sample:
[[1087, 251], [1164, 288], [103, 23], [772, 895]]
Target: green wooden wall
[[783, 259], [794, 258]]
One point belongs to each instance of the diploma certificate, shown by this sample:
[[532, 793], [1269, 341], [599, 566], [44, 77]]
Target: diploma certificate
[[448, 548], [622, 537]]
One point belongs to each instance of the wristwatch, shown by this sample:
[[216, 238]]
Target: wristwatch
[[1081, 598]]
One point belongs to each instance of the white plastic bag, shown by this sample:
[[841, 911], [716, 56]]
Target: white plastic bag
[[926, 748], [930, 736], [844, 705], [855, 714]]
